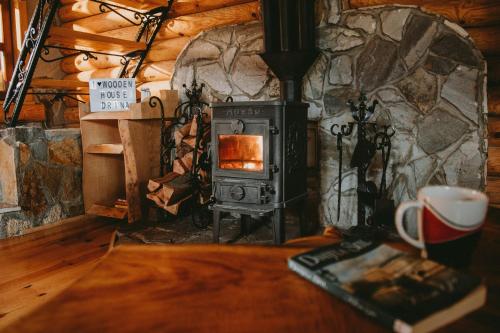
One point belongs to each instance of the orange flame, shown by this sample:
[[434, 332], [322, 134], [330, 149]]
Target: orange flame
[[241, 152]]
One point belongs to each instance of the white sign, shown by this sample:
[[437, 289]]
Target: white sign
[[111, 94]]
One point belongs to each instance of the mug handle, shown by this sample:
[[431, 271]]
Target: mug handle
[[400, 212]]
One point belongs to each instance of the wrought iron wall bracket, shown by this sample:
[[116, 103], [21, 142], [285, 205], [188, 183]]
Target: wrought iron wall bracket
[[87, 54]]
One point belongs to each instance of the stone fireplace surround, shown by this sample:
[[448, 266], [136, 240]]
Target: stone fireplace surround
[[424, 70]]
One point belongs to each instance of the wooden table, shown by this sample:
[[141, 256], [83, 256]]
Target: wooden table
[[210, 288]]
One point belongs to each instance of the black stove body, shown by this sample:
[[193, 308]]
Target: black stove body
[[259, 149], [268, 169]]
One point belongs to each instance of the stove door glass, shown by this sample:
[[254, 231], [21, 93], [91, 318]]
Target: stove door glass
[[241, 152]]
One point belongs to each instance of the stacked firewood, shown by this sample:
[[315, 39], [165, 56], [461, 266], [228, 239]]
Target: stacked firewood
[[173, 191]]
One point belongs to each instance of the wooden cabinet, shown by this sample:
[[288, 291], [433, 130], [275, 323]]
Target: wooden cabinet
[[121, 152]]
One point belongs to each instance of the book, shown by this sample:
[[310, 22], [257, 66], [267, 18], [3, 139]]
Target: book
[[403, 292]]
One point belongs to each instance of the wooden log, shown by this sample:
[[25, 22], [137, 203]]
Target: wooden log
[[154, 197], [184, 164], [175, 190], [29, 112], [493, 70], [81, 9], [178, 207], [155, 184], [190, 25], [494, 131], [493, 161], [493, 190], [100, 22], [182, 149], [180, 133], [155, 71], [190, 141], [162, 50], [194, 126], [494, 100], [464, 12], [486, 39], [71, 115], [92, 42]]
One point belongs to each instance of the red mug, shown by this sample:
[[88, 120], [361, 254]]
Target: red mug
[[449, 222]]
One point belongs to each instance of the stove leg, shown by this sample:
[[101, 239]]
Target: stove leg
[[216, 226], [279, 225], [245, 220]]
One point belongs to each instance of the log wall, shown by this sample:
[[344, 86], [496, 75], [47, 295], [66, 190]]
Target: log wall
[[188, 18], [481, 19]]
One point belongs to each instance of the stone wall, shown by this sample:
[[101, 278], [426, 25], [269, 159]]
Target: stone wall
[[425, 72], [41, 182]]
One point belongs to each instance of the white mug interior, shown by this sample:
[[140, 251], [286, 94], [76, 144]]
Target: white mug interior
[[464, 208]]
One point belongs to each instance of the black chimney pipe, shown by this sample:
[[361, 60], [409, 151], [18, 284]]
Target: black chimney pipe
[[290, 43]]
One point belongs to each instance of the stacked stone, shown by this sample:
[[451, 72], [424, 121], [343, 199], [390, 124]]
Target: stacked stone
[[44, 181], [425, 71]]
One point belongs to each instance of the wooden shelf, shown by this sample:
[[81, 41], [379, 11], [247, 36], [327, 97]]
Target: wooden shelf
[[122, 152], [86, 41], [113, 212], [105, 148]]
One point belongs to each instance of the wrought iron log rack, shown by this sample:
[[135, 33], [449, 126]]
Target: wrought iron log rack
[[192, 109], [34, 48]]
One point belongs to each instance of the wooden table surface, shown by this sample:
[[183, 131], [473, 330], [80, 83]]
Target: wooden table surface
[[210, 288]]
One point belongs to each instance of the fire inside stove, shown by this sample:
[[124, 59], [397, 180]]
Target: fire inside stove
[[241, 152]]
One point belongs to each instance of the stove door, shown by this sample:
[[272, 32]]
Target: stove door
[[241, 148]]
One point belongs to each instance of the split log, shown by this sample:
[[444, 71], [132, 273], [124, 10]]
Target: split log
[[153, 197], [95, 22], [175, 190], [191, 25], [173, 209], [194, 126], [180, 133], [494, 100], [161, 51], [464, 12], [190, 141], [183, 165], [178, 207], [155, 184], [182, 149], [155, 71]]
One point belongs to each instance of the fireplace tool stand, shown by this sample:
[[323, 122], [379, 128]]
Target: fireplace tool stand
[[375, 210]]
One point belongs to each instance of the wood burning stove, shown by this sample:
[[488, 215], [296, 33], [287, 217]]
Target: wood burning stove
[[259, 148], [258, 158]]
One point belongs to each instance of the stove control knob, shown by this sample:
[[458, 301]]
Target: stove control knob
[[237, 126], [237, 192]]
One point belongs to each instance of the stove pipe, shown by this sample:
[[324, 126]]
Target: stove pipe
[[290, 43]]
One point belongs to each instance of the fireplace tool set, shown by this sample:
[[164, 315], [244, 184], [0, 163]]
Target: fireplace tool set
[[375, 210]]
